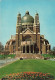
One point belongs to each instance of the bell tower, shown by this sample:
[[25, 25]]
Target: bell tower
[[18, 30], [36, 29]]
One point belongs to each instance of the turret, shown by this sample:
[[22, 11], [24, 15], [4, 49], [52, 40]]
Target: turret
[[36, 19], [18, 30], [36, 23], [36, 29], [19, 18], [18, 25]]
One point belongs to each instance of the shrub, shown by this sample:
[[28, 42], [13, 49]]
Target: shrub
[[1, 47], [52, 51], [45, 58], [7, 55], [21, 58], [50, 55], [29, 76]]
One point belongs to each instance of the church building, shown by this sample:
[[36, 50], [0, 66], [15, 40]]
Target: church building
[[28, 38]]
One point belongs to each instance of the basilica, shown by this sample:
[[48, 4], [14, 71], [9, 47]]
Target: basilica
[[27, 38]]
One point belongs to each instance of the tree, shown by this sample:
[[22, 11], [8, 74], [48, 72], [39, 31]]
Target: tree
[[53, 50], [1, 47]]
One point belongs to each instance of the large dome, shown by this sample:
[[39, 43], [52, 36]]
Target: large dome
[[27, 18]]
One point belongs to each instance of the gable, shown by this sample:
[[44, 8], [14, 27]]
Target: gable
[[28, 31]]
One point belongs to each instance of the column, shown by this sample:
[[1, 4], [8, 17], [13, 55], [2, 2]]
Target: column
[[38, 41], [43, 49], [33, 48], [22, 49], [25, 49], [29, 49]]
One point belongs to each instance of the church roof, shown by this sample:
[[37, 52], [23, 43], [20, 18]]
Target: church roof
[[27, 18]]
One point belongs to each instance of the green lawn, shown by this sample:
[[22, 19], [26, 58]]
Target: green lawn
[[45, 66]]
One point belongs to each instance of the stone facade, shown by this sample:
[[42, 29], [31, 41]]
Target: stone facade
[[28, 38]]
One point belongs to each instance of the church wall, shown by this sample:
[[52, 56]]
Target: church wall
[[33, 26], [38, 41], [43, 49], [33, 36]]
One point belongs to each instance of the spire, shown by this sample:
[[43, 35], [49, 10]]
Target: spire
[[19, 18], [19, 14], [36, 13], [27, 12], [36, 19]]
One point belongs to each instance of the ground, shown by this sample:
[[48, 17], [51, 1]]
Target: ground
[[32, 65]]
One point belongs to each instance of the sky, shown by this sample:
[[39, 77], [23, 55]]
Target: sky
[[9, 10]]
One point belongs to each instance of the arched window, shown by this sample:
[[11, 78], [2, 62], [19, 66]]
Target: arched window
[[27, 38]]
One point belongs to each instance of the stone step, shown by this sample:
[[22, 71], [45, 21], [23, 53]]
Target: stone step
[[29, 56]]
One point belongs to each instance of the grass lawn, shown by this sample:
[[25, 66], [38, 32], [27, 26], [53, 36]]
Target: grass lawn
[[45, 66]]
